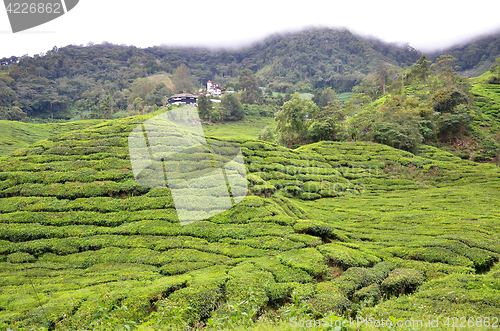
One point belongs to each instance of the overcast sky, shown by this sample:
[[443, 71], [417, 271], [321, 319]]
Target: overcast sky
[[425, 25]]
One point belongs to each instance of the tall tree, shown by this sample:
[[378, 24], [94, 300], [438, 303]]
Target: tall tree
[[293, 120], [382, 75], [251, 91], [183, 80], [422, 70], [231, 107], [204, 107], [444, 67]]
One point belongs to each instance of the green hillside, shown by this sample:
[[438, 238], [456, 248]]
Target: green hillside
[[330, 229], [15, 135]]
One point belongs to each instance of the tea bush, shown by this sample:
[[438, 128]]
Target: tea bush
[[329, 299], [281, 272], [314, 228], [346, 257], [401, 281], [307, 259], [104, 252]]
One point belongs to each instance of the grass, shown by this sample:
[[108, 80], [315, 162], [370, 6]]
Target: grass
[[249, 128], [330, 229]]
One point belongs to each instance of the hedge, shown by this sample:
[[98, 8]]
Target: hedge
[[314, 228], [346, 257], [402, 281], [307, 259]]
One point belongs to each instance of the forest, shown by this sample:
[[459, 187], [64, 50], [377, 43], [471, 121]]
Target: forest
[[105, 80]]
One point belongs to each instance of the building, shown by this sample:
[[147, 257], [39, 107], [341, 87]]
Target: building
[[214, 88], [182, 99]]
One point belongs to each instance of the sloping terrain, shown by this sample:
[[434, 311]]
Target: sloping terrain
[[15, 135], [346, 228]]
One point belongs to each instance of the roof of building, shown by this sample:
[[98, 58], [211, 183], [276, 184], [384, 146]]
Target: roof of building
[[185, 95]]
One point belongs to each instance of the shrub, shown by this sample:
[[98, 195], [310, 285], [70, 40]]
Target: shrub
[[266, 189], [329, 299], [309, 196], [20, 257], [314, 228], [271, 243], [281, 272], [432, 255], [182, 267], [312, 187], [255, 180], [307, 259], [346, 257], [401, 281], [246, 278], [355, 278], [369, 295], [293, 190]]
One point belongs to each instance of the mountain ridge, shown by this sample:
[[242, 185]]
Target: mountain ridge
[[98, 80]]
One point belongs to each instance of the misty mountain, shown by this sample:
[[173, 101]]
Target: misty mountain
[[99, 77]]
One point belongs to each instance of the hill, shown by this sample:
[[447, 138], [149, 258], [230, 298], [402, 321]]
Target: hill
[[328, 228], [104, 80], [16, 135], [474, 57]]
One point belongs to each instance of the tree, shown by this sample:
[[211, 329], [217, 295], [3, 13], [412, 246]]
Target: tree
[[14, 114], [7, 95], [183, 80], [370, 85], [422, 70], [251, 91], [495, 67], [495, 70], [444, 67], [138, 103], [293, 120], [155, 96], [382, 76], [204, 107], [455, 122], [267, 134], [231, 108], [322, 98], [445, 100]]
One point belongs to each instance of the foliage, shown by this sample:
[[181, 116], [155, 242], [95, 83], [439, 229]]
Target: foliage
[[333, 229], [204, 107], [267, 134], [182, 79], [292, 120], [250, 89], [231, 108]]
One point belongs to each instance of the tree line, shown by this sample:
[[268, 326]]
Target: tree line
[[424, 103]]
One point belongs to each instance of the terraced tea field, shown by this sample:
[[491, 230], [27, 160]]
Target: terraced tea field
[[349, 229], [17, 135]]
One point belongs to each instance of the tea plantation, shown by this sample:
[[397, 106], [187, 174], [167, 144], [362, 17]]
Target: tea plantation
[[328, 229]]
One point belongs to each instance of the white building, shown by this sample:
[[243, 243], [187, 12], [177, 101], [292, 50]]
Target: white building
[[213, 89]]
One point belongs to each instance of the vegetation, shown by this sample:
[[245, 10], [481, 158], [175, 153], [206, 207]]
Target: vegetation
[[381, 201], [102, 80], [331, 229]]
